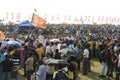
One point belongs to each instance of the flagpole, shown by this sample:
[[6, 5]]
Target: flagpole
[[29, 31]]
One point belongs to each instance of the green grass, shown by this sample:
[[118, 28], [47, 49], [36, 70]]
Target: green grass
[[93, 75]]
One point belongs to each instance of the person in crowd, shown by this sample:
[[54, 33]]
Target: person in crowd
[[90, 58], [16, 61], [63, 52], [103, 63], [22, 56], [85, 60], [29, 66], [48, 48], [53, 48], [49, 69], [60, 74], [58, 45], [91, 44], [57, 55], [109, 62], [41, 72], [118, 65], [3, 53], [40, 51], [79, 56], [7, 67], [15, 52], [97, 47], [72, 68]]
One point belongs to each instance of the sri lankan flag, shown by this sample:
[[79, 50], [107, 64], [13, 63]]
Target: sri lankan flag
[[38, 21]]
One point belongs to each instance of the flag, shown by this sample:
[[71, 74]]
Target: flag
[[98, 18], [52, 18], [38, 21], [18, 16], [118, 20], [58, 17], [102, 18], [92, 19], [75, 19], [2, 36], [7, 14], [89, 18], [85, 18], [69, 18], [115, 18], [106, 19], [45, 16], [12, 16], [65, 17], [110, 18]]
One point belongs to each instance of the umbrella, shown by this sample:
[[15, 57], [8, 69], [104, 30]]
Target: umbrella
[[55, 62], [67, 51], [12, 44], [55, 40]]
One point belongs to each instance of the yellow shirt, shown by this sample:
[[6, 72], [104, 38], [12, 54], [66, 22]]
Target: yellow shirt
[[97, 44], [40, 52], [70, 74], [91, 44]]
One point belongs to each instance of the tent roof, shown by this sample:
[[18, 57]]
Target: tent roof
[[26, 23]]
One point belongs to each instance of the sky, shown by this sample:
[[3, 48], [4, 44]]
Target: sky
[[77, 8]]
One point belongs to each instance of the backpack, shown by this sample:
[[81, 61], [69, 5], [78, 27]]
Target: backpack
[[61, 75]]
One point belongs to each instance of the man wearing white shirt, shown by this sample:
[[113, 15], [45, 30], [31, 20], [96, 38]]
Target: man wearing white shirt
[[59, 46], [49, 69], [48, 51], [85, 60]]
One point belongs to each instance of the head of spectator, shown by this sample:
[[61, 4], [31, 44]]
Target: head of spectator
[[39, 45], [7, 57]]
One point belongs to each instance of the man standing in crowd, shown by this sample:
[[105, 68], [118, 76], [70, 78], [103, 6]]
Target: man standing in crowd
[[118, 66], [85, 60], [29, 66], [41, 73], [6, 68]]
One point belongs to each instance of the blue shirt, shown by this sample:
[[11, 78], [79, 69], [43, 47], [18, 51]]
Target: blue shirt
[[2, 57], [41, 74]]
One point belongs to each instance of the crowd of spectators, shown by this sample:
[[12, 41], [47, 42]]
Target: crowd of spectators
[[86, 41]]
